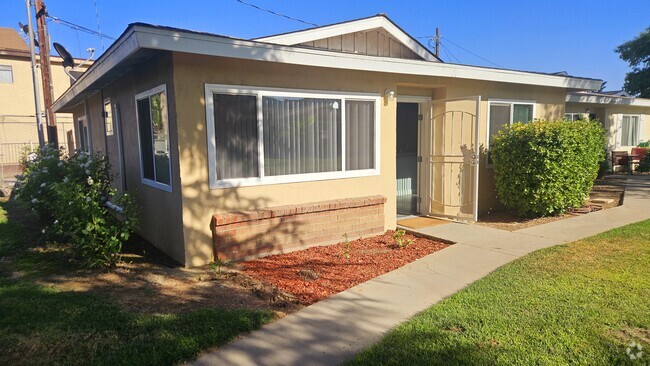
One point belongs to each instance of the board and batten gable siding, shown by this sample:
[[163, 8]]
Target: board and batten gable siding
[[160, 212], [375, 42]]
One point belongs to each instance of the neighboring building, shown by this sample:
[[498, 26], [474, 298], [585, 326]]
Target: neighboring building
[[17, 113], [626, 119], [271, 144]]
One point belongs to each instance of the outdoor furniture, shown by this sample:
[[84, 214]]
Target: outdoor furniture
[[620, 158], [637, 157]]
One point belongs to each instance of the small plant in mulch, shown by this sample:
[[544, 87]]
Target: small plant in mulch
[[346, 246], [401, 242], [216, 267]]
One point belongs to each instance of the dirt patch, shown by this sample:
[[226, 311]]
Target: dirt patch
[[146, 281], [604, 194], [337, 267], [152, 288], [628, 334]]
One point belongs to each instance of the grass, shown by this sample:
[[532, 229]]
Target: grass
[[580, 303], [40, 325]]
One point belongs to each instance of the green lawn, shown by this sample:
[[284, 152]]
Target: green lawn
[[579, 304], [41, 326]]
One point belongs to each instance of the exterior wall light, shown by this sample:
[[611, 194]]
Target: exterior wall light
[[389, 94]]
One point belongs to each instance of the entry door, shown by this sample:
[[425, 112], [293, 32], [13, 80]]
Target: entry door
[[407, 157], [453, 151]]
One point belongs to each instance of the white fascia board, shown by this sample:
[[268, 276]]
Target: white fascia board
[[602, 99], [211, 45], [309, 35], [120, 51]]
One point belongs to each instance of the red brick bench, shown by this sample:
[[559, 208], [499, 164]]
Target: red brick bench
[[250, 234]]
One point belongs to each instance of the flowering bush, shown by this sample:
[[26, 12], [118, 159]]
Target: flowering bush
[[75, 201]]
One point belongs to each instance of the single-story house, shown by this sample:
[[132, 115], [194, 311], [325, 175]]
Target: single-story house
[[240, 148], [625, 118]]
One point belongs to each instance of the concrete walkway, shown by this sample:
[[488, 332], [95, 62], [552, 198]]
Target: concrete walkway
[[334, 330]]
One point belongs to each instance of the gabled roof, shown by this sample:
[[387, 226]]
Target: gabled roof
[[606, 98], [618, 93], [11, 40], [139, 41], [379, 21]]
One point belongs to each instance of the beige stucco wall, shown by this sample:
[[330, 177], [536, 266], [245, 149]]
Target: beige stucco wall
[[192, 72], [549, 105], [160, 211], [607, 114], [17, 100]]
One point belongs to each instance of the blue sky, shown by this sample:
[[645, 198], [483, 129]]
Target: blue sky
[[548, 36]]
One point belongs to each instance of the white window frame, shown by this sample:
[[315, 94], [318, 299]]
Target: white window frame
[[106, 124], [11, 73], [512, 102], [146, 181], [619, 129], [259, 93], [573, 114]]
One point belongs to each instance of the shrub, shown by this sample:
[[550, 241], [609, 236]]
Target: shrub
[[71, 195], [544, 167]]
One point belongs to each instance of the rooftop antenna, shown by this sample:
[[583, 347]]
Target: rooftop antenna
[[68, 60]]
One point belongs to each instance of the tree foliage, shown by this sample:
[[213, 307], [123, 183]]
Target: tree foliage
[[637, 53]]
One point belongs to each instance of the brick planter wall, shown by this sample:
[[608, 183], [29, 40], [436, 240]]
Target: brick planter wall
[[250, 234]]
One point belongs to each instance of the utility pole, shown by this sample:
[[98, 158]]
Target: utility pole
[[46, 71], [437, 42], [37, 89]]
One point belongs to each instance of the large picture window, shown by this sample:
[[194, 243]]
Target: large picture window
[[276, 136], [502, 113], [153, 128]]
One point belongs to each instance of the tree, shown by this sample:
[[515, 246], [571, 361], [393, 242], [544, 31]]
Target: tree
[[637, 53]]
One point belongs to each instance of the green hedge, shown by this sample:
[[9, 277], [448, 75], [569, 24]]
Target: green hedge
[[544, 167]]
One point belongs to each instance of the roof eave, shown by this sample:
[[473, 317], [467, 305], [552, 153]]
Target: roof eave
[[141, 36], [126, 45], [594, 98]]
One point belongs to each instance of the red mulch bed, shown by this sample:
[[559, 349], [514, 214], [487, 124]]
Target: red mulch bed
[[316, 273]]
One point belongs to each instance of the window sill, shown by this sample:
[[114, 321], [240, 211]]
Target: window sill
[[154, 184], [298, 178]]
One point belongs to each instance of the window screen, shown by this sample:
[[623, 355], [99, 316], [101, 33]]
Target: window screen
[[359, 135], [6, 74], [301, 135], [522, 113], [236, 133]]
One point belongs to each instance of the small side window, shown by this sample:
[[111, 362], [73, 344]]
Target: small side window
[[108, 117], [6, 74], [153, 127]]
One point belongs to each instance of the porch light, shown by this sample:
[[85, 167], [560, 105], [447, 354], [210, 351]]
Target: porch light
[[389, 94]]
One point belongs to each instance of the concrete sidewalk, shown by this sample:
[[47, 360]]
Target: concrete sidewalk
[[334, 330]]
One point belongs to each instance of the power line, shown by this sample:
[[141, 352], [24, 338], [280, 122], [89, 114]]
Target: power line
[[448, 50], [278, 14], [80, 28], [468, 51]]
